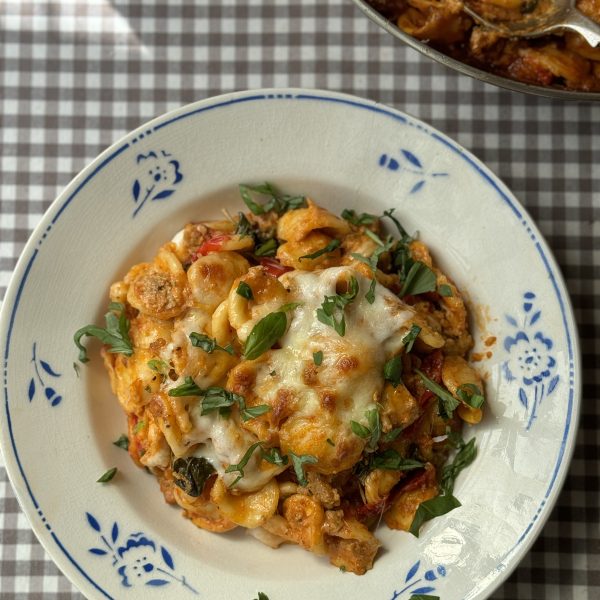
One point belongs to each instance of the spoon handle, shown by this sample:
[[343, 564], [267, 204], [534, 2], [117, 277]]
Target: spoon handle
[[588, 29]]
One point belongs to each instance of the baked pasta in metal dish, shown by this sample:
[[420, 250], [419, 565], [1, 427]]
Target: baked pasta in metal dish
[[296, 373], [565, 61]]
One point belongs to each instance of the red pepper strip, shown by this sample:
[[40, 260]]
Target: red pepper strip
[[274, 267], [212, 244]]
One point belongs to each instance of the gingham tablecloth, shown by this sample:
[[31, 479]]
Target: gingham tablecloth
[[76, 75]]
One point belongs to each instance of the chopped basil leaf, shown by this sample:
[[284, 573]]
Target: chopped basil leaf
[[158, 366], [392, 370], [449, 402], [243, 226], [391, 435], [419, 597], [107, 476], [470, 394], [403, 234], [139, 426], [262, 596], [289, 306], [264, 334], [318, 357], [218, 398], [370, 295], [374, 237], [331, 304], [240, 466], [189, 388], [435, 507], [122, 442], [402, 260], [244, 290], [76, 369], [420, 279], [333, 244], [208, 344], [190, 474], [409, 339], [392, 461], [467, 452], [254, 411], [298, 462], [372, 433], [268, 248], [115, 335], [361, 219], [445, 290], [277, 201], [330, 442], [274, 456]]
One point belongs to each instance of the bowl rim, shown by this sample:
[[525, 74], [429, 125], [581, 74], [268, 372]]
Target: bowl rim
[[60, 555], [461, 67]]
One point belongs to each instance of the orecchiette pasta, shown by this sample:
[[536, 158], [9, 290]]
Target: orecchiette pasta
[[295, 373]]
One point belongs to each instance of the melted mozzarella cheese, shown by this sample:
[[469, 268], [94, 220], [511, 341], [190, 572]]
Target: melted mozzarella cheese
[[312, 406]]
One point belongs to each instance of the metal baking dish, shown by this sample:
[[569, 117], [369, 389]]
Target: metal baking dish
[[445, 60]]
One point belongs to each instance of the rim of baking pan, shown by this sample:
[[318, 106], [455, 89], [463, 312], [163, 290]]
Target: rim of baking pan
[[447, 61]]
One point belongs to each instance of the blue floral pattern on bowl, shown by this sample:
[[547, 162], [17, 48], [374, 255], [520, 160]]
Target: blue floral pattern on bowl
[[137, 559], [531, 362], [158, 175], [41, 366], [408, 162], [413, 579]]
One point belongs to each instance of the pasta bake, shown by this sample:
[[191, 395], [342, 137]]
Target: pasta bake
[[565, 60], [296, 373]]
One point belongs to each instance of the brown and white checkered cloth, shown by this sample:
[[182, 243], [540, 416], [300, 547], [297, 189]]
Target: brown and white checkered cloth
[[76, 75]]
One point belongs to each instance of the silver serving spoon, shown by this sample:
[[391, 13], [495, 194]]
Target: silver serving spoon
[[563, 15]]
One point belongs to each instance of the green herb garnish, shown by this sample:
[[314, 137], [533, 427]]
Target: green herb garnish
[[298, 462], [158, 366], [318, 357], [274, 456], [190, 474], [372, 433], [420, 597], [262, 596], [467, 452], [189, 388], [239, 467], [76, 369], [115, 335], [264, 334], [244, 227], [139, 426], [372, 262], [405, 238], [448, 401], [390, 460], [244, 290], [420, 279], [351, 216], [122, 442], [445, 290], [392, 370], [435, 507], [333, 244], [409, 339], [391, 435], [332, 304], [278, 202], [268, 248], [108, 475], [208, 344], [470, 394]]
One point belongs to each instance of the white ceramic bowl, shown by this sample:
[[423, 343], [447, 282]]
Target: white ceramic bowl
[[121, 540]]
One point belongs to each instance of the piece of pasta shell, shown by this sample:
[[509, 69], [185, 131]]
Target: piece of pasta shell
[[248, 510], [295, 225], [305, 518]]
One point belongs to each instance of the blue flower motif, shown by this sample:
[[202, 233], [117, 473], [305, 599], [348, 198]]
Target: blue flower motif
[[42, 367], [408, 162], [137, 556], [157, 180], [413, 579], [137, 560], [530, 361]]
